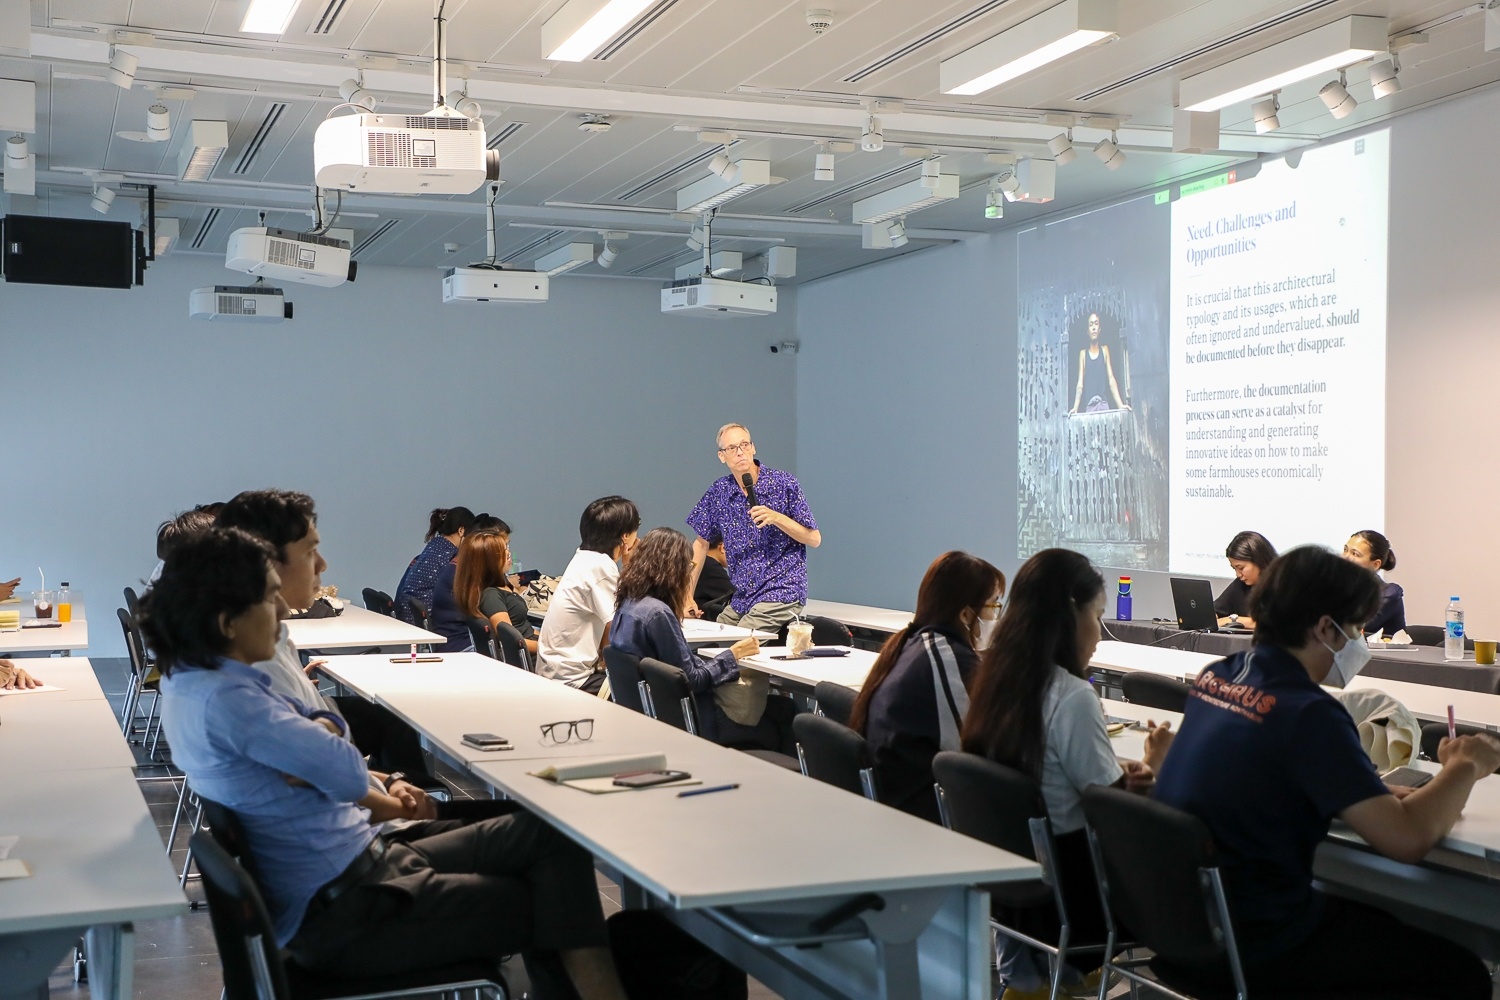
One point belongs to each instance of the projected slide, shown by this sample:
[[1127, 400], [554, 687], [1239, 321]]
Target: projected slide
[[1278, 355], [1194, 366]]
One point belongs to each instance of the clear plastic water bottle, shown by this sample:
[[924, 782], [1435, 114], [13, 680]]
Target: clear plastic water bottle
[[1453, 633]]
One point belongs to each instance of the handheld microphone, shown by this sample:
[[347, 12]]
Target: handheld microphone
[[749, 490]]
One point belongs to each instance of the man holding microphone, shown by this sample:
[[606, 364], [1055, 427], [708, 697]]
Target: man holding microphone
[[763, 519]]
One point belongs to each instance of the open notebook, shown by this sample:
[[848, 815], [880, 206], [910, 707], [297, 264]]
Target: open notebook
[[596, 775]]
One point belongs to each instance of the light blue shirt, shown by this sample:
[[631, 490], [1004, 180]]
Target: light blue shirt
[[237, 741]]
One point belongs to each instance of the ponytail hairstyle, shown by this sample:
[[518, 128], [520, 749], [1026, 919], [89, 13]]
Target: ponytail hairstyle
[[482, 558], [955, 582], [1380, 548], [447, 520]]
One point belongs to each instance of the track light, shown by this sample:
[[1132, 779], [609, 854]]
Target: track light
[[122, 67], [897, 232], [354, 92], [466, 105], [608, 254], [1007, 183], [158, 123], [1108, 152], [721, 166], [931, 173], [1383, 78], [697, 238], [823, 166], [103, 198], [994, 203], [1265, 113], [873, 139], [1336, 97], [15, 153], [1062, 149]]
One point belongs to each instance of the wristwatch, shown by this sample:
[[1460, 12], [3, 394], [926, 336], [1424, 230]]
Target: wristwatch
[[1235, 619], [393, 777]]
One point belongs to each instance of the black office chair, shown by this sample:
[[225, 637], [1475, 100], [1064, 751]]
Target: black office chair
[[834, 753], [669, 699], [255, 969], [624, 672], [1155, 691], [1003, 807], [483, 636], [512, 647], [379, 602], [141, 683], [1433, 733], [1426, 635], [132, 602], [1159, 875], [834, 701], [825, 632], [417, 610]]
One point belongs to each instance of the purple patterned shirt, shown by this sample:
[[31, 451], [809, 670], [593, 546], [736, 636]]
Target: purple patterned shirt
[[765, 564]]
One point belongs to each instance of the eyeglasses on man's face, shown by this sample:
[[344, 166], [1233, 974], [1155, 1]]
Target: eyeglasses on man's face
[[737, 449], [562, 732]]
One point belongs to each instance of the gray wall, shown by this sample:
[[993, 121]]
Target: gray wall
[[907, 409], [378, 400]]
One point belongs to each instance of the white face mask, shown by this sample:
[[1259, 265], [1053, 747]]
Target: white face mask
[[986, 633], [1347, 662]]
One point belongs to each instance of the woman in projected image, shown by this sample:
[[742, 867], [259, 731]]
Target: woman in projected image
[[1096, 375], [1249, 553]]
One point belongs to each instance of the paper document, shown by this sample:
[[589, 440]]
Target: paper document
[[6, 843], [597, 775], [35, 690], [14, 868]]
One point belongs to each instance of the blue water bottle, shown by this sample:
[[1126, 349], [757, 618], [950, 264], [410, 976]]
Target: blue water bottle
[[1123, 601]]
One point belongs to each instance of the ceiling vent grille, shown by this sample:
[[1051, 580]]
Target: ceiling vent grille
[[365, 244], [1238, 36], [251, 151], [328, 18], [641, 24], [666, 175], [533, 245], [506, 131], [934, 35], [652, 265], [208, 223], [849, 189]]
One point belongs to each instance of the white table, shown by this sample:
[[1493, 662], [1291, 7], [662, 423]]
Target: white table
[[1128, 657], [1429, 703], [63, 639], [40, 732], [702, 632], [808, 671], [357, 628], [859, 616], [75, 675]]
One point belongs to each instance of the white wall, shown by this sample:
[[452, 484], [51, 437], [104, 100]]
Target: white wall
[[907, 408], [378, 400]]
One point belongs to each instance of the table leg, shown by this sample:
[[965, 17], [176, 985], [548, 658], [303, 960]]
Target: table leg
[[28, 958], [111, 950]]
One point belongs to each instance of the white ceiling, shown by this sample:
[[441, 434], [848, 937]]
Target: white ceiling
[[753, 66]]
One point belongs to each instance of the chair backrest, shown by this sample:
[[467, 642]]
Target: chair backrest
[[835, 701], [135, 646], [671, 696], [834, 753], [1155, 691], [132, 602], [1433, 733], [483, 636], [242, 928], [225, 827], [512, 647], [829, 631], [1156, 865], [1426, 635], [624, 671], [379, 602], [989, 801], [417, 610]]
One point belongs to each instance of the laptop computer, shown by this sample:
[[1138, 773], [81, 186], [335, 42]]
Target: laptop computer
[[1193, 601]]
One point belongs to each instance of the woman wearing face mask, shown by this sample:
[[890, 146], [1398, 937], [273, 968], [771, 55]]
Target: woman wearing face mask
[[912, 704], [1267, 759], [1373, 551]]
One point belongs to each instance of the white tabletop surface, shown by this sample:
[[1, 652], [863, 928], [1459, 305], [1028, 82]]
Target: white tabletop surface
[[74, 674], [93, 848], [1130, 657], [356, 628], [860, 616], [1429, 703], [849, 671], [702, 632], [39, 732]]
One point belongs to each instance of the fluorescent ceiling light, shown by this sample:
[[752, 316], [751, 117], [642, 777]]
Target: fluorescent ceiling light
[[582, 27], [1313, 53], [1033, 43], [268, 17], [167, 231], [910, 197], [206, 144], [713, 190], [564, 259]]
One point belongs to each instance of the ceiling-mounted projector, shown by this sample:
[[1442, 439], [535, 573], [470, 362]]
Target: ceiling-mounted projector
[[239, 303], [439, 153], [289, 256], [707, 296], [489, 284]]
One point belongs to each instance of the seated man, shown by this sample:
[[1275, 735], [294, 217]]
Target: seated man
[[344, 899], [578, 616], [714, 589]]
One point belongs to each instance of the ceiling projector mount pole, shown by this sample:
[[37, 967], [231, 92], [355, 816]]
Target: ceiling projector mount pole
[[440, 59]]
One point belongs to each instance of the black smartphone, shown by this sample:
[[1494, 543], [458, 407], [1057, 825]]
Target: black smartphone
[[486, 741], [1406, 777], [645, 779]]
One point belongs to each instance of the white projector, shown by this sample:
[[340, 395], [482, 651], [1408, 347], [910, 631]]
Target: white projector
[[488, 284], [289, 256], [403, 154], [705, 296], [239, 303]]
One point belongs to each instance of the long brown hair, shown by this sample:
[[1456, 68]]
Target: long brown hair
[[482, 558], [660, 567], [1038, 630], [955, 581]]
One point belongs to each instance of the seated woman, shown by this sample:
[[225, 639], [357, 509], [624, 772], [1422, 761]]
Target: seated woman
[[1033, 709], [1249, 553], [650, 602], [445, 529], [1270, 767], [1373, 551], [481, 587], [914, 700]]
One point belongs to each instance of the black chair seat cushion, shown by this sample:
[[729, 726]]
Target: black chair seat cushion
[[779, 759], [307, 985]]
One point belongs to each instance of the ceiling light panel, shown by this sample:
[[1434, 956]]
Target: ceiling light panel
[[910, 197], [564, 259], [207, 142], [1035, 42], [1313, 53], [268, 17], [582, 27], [713, 190]]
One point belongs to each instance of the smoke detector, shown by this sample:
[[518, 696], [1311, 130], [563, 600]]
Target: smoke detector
[[594, 123], [819, 19]]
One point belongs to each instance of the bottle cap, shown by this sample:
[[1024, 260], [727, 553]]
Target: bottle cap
[[65, 583], [1453, 598]]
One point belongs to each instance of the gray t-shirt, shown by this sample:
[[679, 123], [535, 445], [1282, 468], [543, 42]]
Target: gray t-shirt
[[493, 600], [1078, 753], [287, 676]]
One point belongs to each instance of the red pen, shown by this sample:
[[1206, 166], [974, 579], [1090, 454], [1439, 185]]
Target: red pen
[[1452, 728]]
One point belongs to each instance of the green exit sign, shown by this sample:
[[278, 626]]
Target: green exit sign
[[1162, 197]]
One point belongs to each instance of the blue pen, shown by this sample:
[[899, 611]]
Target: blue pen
[[705, 791]]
